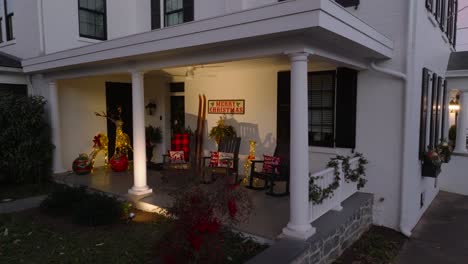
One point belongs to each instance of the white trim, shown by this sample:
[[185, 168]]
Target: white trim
[[272, 19], [11, 69], [456, 73], [88, 40], [432, 19], [8, 43]]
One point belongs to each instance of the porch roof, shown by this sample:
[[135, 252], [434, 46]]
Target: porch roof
[[322, 24]]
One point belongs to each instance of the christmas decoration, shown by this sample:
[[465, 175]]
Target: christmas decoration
[[119, 162], [82, 165], [248, 163]]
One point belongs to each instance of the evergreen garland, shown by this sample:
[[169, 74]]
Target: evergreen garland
[[318, 194]]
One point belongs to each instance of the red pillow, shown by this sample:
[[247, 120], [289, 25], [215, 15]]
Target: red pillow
[[214, 159], [270, 164], [225, 159], [177, 156]]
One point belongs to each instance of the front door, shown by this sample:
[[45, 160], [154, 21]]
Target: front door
[[119, 95], [177, 114]]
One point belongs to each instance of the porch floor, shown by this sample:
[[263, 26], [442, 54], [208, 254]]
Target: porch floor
[[269, 215]]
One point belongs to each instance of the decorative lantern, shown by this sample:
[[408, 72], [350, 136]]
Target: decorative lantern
[[454, 105]]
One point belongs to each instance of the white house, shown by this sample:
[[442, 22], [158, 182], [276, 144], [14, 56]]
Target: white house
[[362, 62]]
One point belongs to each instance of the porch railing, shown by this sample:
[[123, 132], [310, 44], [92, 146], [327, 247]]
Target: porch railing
[[343, 192]]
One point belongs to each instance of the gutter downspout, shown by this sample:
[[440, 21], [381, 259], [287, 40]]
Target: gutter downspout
[[408, 79], [40, 16]]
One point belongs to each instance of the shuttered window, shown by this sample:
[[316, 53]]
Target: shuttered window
[[434, 109], [321, 97]]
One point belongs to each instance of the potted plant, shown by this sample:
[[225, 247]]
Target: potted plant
[[431, 163], [445, 151], [221, 130], [153, 137]]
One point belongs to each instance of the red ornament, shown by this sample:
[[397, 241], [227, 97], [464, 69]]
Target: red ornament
[[119, 164], [81, 165]]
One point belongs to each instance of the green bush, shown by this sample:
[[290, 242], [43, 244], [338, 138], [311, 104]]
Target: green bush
[[25, 140], [63, 200], [91, 209], [97, 209]]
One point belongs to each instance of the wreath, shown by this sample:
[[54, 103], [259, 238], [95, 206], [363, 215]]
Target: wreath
[[318, 194]]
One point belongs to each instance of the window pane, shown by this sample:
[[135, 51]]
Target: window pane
[[84, 3], [100, 5], [174, 19], [172, 5]]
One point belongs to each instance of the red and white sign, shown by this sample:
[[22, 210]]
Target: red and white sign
[[236, 107]]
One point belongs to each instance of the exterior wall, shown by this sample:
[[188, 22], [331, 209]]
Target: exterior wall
[[380, 111], [258, 86], [25, 30], [80, 98], [453, 177]]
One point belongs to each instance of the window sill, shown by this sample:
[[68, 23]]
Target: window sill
[[89, 40], [8, 43], [325, 150], [444, 37], [432, 19]]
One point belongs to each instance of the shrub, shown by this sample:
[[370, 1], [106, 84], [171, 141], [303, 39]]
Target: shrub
[[25, 140], [62, 200], [97, 209], [91, 209]]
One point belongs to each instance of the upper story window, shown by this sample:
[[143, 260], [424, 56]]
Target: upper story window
[[8, 19], [173, 12], [445, 13], [92, 19]]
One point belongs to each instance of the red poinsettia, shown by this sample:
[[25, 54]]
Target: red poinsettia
[[232, 206], [195, 242], [214, 226]]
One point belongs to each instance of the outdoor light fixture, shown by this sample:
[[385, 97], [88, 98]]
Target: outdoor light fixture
[[151, 107], [454, 105]]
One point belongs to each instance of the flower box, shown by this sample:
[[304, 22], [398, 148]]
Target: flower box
[[429, 169]]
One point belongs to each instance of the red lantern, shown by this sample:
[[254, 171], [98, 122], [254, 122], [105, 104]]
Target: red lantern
[[119, 163]]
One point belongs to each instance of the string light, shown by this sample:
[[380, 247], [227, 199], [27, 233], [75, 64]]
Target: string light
[[248, 163]]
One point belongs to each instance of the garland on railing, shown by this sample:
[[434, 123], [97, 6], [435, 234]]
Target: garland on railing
[[318, 194]]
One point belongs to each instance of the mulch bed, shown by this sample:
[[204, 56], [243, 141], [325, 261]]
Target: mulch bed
[[379, 245]]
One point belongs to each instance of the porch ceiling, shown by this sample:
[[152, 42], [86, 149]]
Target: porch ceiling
[[320, 25]]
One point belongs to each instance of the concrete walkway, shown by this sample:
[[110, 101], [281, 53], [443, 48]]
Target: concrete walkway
[[441, 236], [21, 204]]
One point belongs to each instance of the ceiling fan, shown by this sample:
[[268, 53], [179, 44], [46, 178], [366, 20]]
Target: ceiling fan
[[190, 71]]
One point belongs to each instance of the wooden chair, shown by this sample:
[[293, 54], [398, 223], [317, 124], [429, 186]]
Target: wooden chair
[[228, 145], [181, 142], [280, 173]]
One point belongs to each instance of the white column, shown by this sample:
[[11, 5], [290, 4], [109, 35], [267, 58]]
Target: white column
[[139, 150], [460, 145], [55, 127], [299, 226]]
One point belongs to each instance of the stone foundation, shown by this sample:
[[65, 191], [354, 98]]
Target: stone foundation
[[336, 231]]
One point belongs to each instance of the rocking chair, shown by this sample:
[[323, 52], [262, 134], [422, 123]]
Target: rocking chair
[[180, 142], [279, 173], [227, 145]]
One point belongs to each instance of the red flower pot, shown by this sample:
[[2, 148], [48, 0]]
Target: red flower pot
[[120, 164]]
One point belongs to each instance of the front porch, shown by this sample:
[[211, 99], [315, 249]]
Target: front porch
[[269, 216]]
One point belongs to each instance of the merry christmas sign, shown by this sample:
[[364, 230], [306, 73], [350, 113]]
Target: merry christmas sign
[[236, 107]]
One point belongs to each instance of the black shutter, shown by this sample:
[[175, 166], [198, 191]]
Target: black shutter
[[423, 121], [455, 23], [444, 110], [433, 112], [188, 10], [155, 14], [450, 16], [429, 5], [437, 10], [283, 126], [443, 16], [346, 100], [437, 110]]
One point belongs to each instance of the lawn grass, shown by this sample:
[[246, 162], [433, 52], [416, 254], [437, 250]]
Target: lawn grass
[[379, 245], [33, 237], [19, 191]]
